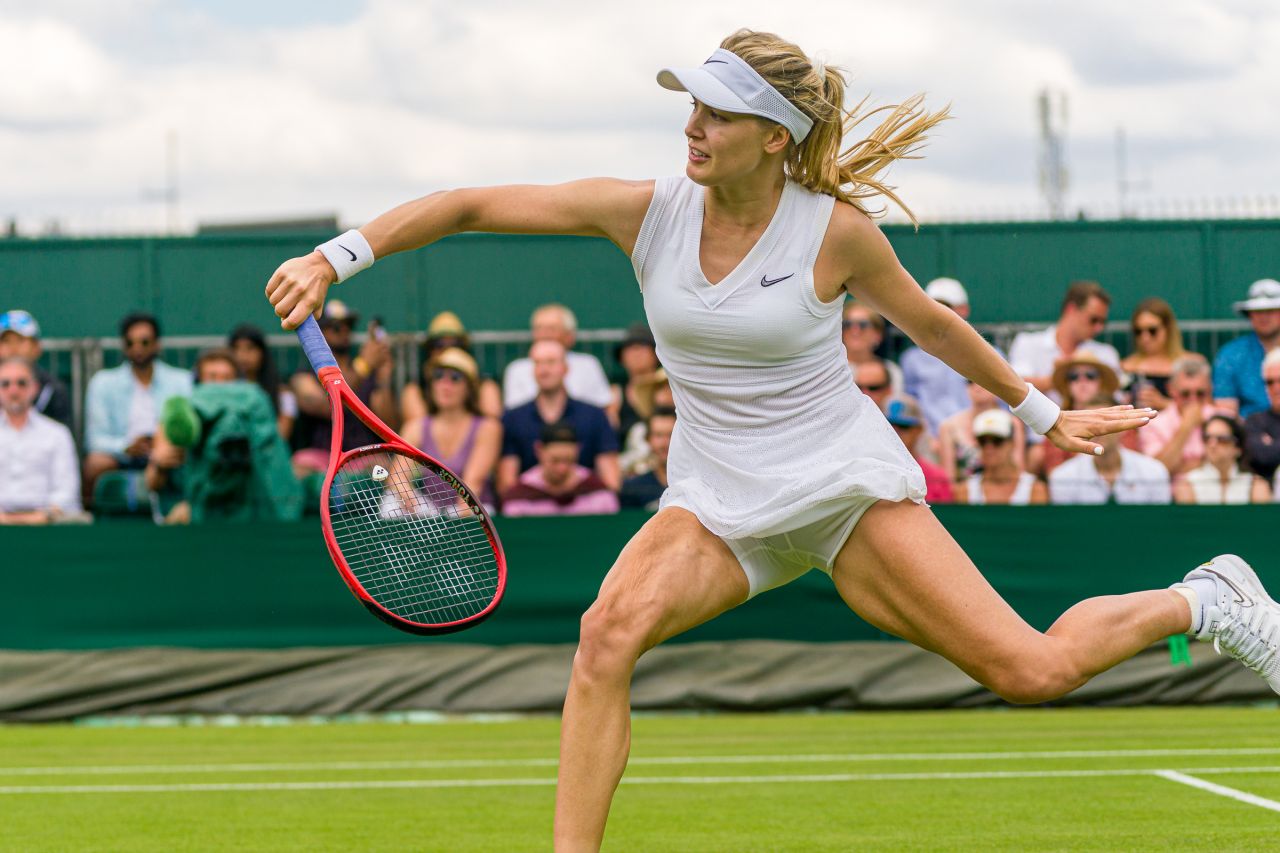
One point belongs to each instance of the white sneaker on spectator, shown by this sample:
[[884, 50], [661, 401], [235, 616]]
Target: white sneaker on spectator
[[1237, 614]]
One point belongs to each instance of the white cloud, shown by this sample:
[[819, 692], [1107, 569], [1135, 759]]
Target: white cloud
[[400, 97]]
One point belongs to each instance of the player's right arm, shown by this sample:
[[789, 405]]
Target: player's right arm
[[595, 207]]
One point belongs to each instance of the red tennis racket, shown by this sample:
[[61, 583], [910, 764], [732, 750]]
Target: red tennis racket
[[408, 537]]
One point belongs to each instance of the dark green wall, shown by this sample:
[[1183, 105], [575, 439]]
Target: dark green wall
[[270, 586], [1015, 272]]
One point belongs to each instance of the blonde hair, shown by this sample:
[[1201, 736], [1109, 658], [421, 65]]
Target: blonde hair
[[854, 174]]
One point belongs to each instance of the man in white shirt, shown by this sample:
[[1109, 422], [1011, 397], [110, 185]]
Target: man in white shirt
[[586, 380], [39, 474], [1084, 314], [1119, 475]]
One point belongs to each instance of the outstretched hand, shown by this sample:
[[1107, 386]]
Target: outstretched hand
[[298, 288], [1074, 429]]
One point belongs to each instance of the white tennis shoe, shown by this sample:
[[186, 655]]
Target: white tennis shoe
[[1237, 614]]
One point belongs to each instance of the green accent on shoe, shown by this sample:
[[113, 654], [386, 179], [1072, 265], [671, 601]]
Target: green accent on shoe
[[1179, 650]]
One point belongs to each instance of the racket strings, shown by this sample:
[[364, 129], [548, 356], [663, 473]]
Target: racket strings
[[411, 539]]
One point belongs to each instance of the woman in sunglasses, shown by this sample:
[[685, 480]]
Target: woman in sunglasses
[[1222, 479], [1080, 380], [1002, 479], [454, 430], [447, 332], [1157, 344]]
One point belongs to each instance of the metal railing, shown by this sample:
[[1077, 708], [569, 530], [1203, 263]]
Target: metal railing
[[74, 360]]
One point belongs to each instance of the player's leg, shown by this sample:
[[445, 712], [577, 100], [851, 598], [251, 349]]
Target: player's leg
[[673, 575], [902, 571]]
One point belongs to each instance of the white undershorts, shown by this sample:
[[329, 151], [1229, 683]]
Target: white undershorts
[[814, 543]]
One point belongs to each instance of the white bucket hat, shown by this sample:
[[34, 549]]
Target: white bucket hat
[[726, 82], [1264, 295]]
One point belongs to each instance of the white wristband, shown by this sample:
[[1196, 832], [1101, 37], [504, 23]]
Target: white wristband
[[1037, 411], [348, 253]]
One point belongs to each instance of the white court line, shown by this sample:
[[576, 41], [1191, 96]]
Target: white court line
[[1221, 790], [627, 780], [444, 764]]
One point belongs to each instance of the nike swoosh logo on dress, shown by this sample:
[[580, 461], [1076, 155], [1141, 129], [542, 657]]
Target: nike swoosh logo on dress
[[765, 281]]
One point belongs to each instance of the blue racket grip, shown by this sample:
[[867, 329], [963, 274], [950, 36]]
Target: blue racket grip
[[315, 346]]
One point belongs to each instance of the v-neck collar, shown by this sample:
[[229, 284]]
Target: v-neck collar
[[714, 294]]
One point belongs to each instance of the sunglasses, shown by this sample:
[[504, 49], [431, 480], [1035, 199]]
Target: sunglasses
[[21, 383], [1274, 380], [1199, 394], [1144, 331], [448, 373], [861, 325], [991, 440], [865, 388], [1088, 373], [1212, 438]]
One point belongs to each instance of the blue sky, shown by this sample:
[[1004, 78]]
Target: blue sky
[[292, 108]]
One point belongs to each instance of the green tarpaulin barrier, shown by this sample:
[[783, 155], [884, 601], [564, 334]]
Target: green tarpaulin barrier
[[127, 584]]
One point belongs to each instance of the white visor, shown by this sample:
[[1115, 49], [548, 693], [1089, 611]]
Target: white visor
[[726, 82]]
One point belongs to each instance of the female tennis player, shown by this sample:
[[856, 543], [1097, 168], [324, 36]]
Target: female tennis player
[[778, 463]]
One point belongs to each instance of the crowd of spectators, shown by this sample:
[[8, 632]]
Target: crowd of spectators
[[234, 437]]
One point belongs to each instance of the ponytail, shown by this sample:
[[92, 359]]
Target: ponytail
[[855, 173]]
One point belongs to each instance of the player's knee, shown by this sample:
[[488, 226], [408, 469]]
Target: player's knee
[[612, 636], [1032, 679]]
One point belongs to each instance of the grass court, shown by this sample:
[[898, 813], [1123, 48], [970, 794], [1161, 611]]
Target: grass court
[[1035, 779]]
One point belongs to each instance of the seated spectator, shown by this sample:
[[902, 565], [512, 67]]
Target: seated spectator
[[653, 392], [232, 462], [958, 452], [1221, 479], [637, 354], [1034, 355], [1002, 479], [585, 381], [20, 338], [212, 367], [1174, 436], [1262, 429], [447, 332], [862, 332], [1238, 388], [903, 414], [39, 477], [939, 390], [558, 485], [368, 374], [1080, 380], [1119, 475], [873, 379], [644, 490], [254, 360], [122, 404], [522, 426], [1157, 344], [453, 431]]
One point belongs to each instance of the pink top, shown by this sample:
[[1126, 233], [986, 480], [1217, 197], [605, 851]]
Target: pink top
[[530, 496], [1153, 437]]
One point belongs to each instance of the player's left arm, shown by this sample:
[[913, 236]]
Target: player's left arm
[[862, 258]]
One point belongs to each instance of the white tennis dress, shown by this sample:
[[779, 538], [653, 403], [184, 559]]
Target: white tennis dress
[[771, 430]]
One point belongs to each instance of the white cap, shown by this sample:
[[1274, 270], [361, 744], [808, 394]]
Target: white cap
[[947, 290], [995, 422], [726, 82], [1264, 295]]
